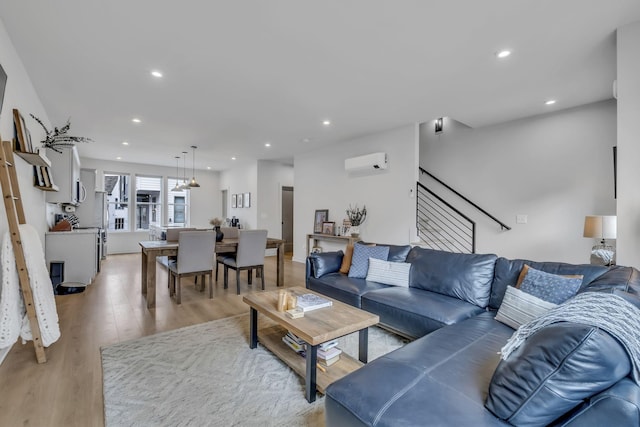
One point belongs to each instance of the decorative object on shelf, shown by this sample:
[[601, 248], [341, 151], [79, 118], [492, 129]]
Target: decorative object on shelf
[[217, 222], [57, 138], [356, 217], [601, 227], [234, 200], [193, 182], [321, 216], [22, 135], [247, 200], [328, 227]]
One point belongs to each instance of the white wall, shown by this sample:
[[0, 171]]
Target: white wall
[[242, 179], [556, 168], [204, 201], [322, 183], [628, 40], [272, 177], [21, 94]]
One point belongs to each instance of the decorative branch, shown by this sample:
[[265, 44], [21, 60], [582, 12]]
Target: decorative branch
[[57, 138], [357, 215]]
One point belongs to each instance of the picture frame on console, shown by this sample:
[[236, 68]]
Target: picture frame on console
[[328, 227], [321, 216]]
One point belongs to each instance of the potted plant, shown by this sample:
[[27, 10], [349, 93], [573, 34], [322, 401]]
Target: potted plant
[[217, 222], [356, 218]]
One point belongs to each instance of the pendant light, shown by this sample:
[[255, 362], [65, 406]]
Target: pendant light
[[184, 185], [177, 187], [193, 182]]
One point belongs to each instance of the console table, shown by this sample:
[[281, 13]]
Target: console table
[[347, 240]]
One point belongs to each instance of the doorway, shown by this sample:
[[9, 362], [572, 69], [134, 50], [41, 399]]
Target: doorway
[[224, 204], [287, 218]]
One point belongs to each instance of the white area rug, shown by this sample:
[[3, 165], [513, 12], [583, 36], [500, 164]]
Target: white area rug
[[206, 375]]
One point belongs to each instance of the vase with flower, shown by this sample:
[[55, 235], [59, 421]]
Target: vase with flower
[[356, 218], [217, 222]]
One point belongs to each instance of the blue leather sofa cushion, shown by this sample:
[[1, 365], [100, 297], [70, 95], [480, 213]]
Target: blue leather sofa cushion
[[397, 253], [464, 276], [507, 272], [440, 379], [324, 263], [626, 279], [415, 313], [553, 371], [342, 287]]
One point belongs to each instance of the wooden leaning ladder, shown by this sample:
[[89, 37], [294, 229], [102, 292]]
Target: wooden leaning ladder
[[15, 216]]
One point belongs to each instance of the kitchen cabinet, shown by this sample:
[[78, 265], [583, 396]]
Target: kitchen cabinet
[[66, 170], [78, 249]]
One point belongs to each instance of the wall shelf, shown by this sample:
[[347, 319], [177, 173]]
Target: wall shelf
[[35, 159]]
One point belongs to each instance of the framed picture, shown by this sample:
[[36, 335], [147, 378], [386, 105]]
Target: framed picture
[[23, 137], [327, 227], [234, 201], [247, 200], [240, 200], [321, 216]]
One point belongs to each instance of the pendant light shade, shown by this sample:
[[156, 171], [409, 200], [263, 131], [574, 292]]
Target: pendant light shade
[[193, 182], [177, 187], [184, 185]]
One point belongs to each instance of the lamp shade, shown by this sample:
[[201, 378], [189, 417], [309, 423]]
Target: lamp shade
[[600, 226]]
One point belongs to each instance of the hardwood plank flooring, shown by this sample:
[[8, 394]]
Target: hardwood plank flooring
[[67, 390]]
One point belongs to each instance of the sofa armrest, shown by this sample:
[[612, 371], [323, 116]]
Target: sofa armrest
[[319, 264]]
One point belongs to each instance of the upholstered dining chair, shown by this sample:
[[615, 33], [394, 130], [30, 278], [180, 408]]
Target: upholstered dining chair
[[195, 258], [229, 233], [173, 233], [249, 256]]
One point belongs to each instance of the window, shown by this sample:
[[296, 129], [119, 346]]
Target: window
[[148, 202], [117, 188], [177, 203]]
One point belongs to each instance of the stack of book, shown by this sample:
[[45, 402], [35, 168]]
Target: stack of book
[[309, 302], [295, 343], [328, 353]]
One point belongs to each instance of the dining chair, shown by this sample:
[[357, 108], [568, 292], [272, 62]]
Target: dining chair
[[173, 233], [229, 233], [249, 256], [195, 258]]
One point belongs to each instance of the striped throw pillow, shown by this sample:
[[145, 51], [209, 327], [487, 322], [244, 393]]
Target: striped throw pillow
[[389, 273], [519, 307]]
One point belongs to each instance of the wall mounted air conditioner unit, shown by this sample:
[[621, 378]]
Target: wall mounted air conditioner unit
[[368, 162]]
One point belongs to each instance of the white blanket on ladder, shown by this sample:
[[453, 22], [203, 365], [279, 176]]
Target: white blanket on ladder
[[13, 315]]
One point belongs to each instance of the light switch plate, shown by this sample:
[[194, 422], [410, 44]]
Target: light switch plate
[[521, 219]]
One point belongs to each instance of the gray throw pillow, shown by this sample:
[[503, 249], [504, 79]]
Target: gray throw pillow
[[550, 287], [360, 259], [519, 307]]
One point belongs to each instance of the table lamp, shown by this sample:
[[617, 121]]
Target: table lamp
[[601, 227]]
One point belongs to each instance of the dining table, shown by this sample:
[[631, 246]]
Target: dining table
[[151, 249]]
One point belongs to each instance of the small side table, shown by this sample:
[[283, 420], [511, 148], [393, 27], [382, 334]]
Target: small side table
[[347, 240]]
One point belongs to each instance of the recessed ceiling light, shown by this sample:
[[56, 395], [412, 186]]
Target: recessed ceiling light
[[125, 143], [208, 167], [550, 102], [136, 120], [268, 144], [326, 122], [503, 53], [156, 73], [118, 158], [305, 140], [233, 158]]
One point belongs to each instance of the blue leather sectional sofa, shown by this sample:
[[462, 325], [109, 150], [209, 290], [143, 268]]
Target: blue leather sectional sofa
[[443, 377]]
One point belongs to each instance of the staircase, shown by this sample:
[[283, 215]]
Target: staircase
[[441, 225]]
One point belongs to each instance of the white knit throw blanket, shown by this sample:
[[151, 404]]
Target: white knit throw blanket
[[13, 318], [609, 312]]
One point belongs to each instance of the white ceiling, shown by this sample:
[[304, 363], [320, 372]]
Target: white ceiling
[[238, 74]]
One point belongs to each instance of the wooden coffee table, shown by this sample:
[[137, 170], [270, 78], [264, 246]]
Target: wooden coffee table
[[316, 327]]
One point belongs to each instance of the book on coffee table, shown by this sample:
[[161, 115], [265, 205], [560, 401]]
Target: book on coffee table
[[310, 302]]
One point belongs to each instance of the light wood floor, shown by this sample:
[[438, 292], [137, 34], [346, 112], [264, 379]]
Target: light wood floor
[[67, 390]]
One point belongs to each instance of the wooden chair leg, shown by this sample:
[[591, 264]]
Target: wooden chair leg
[[211, 284], [226, 276], [217, 264], [261, 270], [238, 280], [249, 275], [178, 291]]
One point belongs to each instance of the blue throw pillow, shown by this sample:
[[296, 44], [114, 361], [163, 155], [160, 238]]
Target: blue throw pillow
[[550, 287], [360, 260]]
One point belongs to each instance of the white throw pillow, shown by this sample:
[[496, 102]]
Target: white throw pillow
[[519, 307], [389, 273]]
